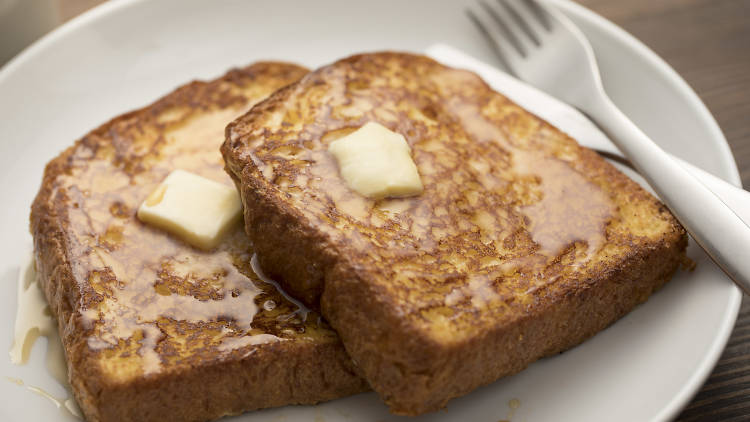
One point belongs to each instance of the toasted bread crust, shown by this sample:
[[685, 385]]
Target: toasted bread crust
[[206, 384], [406, 376], [434, 300]]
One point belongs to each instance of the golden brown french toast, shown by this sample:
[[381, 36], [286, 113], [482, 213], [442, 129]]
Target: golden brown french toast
[[154, 329], [522, 244]]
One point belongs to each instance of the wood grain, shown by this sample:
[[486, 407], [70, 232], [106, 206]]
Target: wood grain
[[708, 43]]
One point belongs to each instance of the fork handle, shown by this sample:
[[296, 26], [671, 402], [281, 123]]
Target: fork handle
[[713, 225], [737, 199]]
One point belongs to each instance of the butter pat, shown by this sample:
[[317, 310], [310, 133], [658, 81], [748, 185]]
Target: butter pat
[[376, 162], [194, 208]]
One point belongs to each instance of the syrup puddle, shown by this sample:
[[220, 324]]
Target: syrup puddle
[[33, 319], [302, 310]]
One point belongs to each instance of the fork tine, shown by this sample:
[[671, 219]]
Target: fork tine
[[521, 21], [503, 26], [498, 44], [539, 12]]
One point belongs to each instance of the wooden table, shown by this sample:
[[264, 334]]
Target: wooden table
[[708, 43]]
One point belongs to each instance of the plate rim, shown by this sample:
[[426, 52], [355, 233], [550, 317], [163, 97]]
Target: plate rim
[[82, 19]]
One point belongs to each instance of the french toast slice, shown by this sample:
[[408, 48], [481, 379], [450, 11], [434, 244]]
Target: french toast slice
[[153, 329], [522, 245]]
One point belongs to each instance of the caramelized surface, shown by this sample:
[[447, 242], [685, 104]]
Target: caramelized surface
[[510, 207], [150, 302]]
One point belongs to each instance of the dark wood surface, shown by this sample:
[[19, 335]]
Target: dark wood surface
[[708, 43]]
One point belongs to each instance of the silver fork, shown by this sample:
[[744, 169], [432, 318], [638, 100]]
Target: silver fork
[[541, 46]]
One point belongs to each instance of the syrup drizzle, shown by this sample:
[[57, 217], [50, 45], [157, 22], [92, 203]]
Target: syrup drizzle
[[501, 207], [150, 300]]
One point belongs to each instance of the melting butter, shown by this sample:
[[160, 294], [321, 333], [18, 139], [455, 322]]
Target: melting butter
[[197, 209], [62, 403], [513, 405], [232, 343], [33, 319], [66, 403], [32, 315], [17, 381], [376, 163]]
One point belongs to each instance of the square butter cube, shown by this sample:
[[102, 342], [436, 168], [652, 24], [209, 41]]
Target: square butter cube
[[376, 162], [194, 208]]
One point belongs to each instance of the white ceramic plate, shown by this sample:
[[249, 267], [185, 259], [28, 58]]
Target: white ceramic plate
[[127, 53]]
